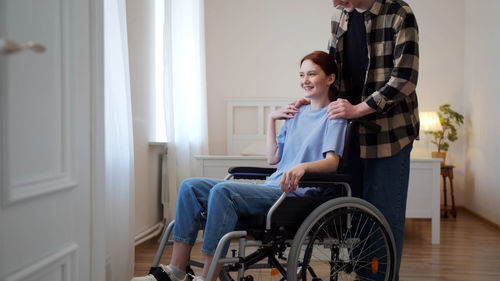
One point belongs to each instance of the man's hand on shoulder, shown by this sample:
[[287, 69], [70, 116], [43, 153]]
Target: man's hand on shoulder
[[342, 108]]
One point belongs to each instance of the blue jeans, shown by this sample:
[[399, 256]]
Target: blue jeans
[[385, 185], [222, 202]]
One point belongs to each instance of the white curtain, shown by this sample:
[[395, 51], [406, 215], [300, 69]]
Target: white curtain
[[119, 156], [185, 90]]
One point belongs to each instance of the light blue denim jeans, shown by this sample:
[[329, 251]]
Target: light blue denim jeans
[[222, 202], [385, 185]]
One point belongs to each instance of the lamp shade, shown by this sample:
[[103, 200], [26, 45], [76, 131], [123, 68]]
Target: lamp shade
[[429, 121]]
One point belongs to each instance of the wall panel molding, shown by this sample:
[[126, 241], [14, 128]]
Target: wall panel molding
[[53, 165], [60, 265]]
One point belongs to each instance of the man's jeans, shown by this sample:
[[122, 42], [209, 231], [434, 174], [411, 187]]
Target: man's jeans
[[385, 185], [222, 202]]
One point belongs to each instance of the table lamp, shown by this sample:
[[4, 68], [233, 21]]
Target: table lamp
[[429, 121]]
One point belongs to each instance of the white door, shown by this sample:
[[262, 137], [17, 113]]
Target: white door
[[46, 140]]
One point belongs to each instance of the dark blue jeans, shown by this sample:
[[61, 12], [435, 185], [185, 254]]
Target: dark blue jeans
[[385, 185]]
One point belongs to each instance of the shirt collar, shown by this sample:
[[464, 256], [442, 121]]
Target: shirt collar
[[376, 7]]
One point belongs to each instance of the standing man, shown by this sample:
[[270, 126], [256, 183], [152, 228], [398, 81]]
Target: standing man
[[375, 43]]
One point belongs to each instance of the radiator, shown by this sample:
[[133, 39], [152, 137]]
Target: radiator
[[164, 184]]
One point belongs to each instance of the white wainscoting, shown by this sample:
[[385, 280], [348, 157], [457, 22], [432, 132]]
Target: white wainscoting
[[423, 191], [59, 266]]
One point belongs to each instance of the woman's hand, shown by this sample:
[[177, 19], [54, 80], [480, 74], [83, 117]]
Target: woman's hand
[[300, 102], [290, 178], [286, 112]]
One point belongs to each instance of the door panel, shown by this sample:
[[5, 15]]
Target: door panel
[[45, 141], [37, 137]]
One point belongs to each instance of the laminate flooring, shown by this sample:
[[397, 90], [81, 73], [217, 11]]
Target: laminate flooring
[[469, 251]]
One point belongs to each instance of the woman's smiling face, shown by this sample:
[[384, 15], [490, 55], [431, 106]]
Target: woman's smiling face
[[314, 80]]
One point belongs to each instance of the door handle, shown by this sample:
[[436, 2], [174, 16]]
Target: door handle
[[9, 47]]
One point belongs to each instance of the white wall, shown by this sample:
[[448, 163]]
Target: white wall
[[481, 100], [253, 50], [140, 21], [441, 30]]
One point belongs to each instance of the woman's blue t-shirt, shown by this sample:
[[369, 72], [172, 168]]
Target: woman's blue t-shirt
[[307, 137]]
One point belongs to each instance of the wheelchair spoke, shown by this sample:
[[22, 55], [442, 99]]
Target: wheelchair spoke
[[367, 265], [360, 231], [365, 240], [362, 228], [370, 253], [362, 250]]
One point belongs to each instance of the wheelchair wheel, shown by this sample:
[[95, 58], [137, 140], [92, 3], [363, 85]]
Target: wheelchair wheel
[[343, 239]]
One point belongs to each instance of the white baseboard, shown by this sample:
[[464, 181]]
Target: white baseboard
[[149, 233]]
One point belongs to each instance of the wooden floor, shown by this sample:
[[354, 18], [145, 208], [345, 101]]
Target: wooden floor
[[469, 251]]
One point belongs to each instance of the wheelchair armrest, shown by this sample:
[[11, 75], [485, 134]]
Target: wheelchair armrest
[[323, 179], [326, 180], [250, 173]]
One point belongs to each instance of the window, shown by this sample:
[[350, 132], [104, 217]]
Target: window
[[160, 134], [180, 68]]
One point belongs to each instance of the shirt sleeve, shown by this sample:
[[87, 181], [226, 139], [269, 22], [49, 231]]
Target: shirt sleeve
[[334, 137], [404, 75], [280, 139]]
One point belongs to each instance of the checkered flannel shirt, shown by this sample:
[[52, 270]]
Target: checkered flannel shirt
[[391, 77]]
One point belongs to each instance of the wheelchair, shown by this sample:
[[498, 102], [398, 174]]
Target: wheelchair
[[338, 237]]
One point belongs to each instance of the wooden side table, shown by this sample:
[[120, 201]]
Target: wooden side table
[[447, 172]]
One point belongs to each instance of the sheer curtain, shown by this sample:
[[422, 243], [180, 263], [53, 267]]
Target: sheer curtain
[[119, 156], [185, 90]]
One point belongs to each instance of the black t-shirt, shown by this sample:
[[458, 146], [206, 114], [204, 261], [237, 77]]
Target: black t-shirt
[[355, 56]]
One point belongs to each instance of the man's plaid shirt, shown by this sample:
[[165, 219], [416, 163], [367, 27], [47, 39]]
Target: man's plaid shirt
[[391, 77]]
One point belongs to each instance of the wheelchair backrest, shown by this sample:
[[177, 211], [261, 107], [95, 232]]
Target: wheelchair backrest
[[348, 148]]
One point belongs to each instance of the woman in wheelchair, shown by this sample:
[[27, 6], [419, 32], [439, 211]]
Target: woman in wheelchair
[[308, 142], [324, 236]]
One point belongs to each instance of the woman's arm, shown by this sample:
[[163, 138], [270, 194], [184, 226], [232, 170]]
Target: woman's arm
[[286, 112], [272, 147], [290, 178]]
